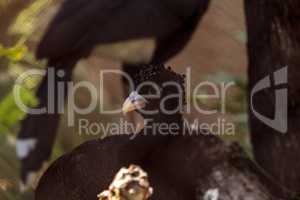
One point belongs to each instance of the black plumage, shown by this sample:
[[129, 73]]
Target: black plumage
[[81, 26]]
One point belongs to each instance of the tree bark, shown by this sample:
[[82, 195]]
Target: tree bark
[[274, 43], [215, 170], [237, 177]]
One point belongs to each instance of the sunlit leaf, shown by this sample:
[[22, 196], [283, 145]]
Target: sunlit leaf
[[15, 53], [10, 113]]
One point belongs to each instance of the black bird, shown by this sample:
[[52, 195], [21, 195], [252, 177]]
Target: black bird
[[89, 169], [142, 32]]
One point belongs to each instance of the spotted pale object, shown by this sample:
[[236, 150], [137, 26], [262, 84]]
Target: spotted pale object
[[129, 183]]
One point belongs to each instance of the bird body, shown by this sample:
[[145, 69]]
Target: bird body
[[89, 169], [173, 164]]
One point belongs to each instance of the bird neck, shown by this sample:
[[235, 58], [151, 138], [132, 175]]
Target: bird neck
[[165, 123]]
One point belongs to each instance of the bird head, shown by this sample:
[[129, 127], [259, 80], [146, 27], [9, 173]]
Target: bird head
[[159, 94], [134, 102]]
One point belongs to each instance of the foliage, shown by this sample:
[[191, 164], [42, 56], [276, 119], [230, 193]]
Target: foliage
[[25, 23], [10, 113], [15, 60], [14, 54]]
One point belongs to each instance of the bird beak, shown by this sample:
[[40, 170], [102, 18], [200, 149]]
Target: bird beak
[[128, 106], [133, 102]]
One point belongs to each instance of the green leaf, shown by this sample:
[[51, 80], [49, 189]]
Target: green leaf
[[15, 53], [10, 113]]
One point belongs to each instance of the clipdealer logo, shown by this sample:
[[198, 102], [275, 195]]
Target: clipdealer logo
[[280, 120]]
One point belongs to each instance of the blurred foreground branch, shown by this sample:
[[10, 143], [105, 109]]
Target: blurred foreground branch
[[129, 184]]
